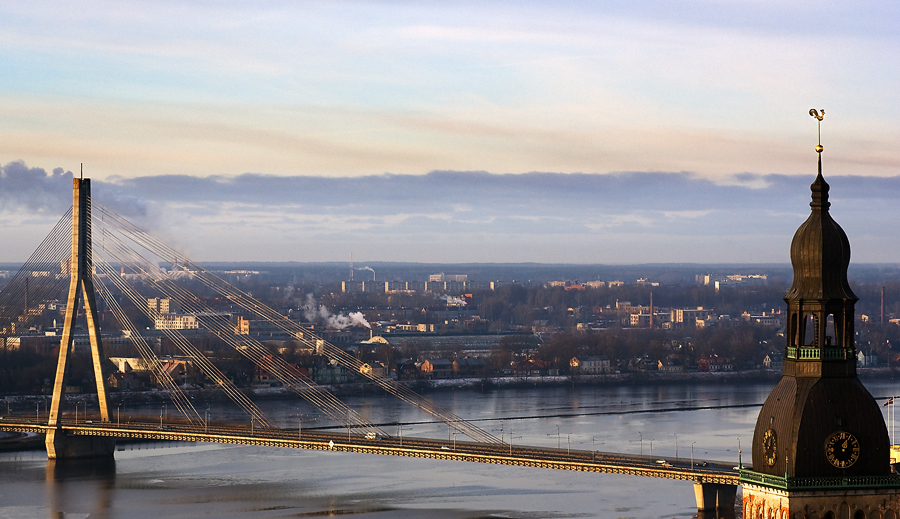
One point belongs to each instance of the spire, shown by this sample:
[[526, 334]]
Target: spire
[[819, 190], [819, 187], [820, 251]]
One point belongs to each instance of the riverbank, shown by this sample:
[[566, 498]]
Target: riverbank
[[647, 378]]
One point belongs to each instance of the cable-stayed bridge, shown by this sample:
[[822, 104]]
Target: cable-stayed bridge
[[96, 252]]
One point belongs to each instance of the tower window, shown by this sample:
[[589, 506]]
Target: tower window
[[795, 331], [829, 330], [809, 331]]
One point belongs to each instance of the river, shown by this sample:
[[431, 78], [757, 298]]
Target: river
[[209, 480]]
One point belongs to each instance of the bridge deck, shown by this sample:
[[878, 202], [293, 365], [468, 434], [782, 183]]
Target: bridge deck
[[505, 454]]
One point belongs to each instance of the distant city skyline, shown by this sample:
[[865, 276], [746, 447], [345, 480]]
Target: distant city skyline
[[413, 131]]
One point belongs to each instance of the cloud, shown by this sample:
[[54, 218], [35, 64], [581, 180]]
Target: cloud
[[471, 192], [476, 215], [33, 189]]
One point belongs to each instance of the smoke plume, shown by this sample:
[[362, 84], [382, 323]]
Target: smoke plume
[[313, 312]]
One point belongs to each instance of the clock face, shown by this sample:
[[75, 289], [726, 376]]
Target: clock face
[[770, 447], [842, 449]]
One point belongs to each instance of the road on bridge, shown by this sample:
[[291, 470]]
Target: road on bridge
[[701, 471]]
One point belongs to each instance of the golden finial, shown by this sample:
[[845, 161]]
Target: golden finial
[[815, 113]]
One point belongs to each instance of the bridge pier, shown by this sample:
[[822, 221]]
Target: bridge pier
[[67, 446], [713, 497]]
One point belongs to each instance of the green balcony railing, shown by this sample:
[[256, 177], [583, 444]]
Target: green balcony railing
[[813, 353], [833, 353], [810, 354]]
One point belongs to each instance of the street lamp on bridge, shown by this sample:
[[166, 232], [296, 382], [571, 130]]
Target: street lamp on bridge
[[692, 454]]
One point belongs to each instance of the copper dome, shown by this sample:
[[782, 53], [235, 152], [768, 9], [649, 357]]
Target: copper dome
[[820, 253]]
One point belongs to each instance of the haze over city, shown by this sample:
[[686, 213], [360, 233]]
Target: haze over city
[[617, 132]]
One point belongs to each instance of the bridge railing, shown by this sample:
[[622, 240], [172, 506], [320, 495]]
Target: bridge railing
[[519, 455]]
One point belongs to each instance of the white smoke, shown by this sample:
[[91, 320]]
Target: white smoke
[[343, 321], [313, 311], [453, 301]]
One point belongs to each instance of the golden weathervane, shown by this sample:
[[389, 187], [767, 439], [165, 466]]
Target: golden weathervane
[[815, 113]]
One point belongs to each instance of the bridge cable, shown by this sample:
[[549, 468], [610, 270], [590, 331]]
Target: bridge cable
[[245, 301], [181, 401], [34, 284], [204, 364], [312, 392]]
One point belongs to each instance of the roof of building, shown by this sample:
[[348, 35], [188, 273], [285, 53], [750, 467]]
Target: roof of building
[[820, 251]]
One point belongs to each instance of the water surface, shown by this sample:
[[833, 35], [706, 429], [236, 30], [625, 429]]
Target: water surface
[[208, 480]]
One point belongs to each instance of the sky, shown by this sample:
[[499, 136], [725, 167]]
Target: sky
[[491, 131]]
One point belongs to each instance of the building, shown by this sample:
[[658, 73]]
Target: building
[[407, 370], [690, 316], [533, 368], [137, 372], [437, 368], [771, 319], [640, 320], [471, 367], [866, 360], [163, 305], [264, 329], [773, 360], [820, 446], [670, 366], [714, 364], [593, 365], [458, 278], [373, 369], [189, 321], [176, 322], [324, 372]]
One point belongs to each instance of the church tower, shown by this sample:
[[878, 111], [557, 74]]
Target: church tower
[[820, 448]]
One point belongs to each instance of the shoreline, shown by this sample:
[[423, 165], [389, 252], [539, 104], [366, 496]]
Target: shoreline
[[648, 378]]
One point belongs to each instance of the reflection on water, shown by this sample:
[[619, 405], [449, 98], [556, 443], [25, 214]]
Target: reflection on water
[[82, 477], [242, 482]]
